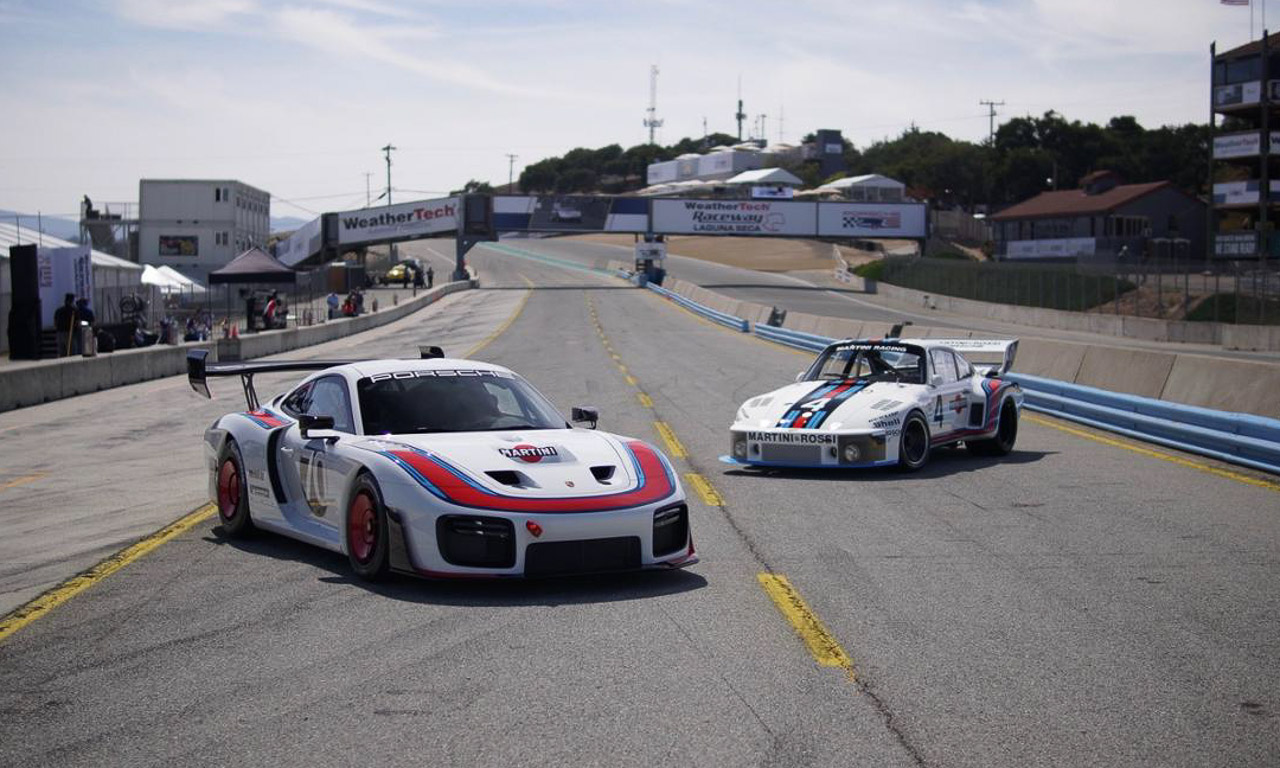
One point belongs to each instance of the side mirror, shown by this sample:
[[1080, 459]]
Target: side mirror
[[307, 423], [935, 380], [585, 414]]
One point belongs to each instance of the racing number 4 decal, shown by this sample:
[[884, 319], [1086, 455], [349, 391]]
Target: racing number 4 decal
[[937, 410]]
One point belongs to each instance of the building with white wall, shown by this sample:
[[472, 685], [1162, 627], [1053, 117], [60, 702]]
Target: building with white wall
[[198, 225]]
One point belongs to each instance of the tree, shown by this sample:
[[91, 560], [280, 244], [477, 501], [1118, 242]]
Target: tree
[[473, 186]]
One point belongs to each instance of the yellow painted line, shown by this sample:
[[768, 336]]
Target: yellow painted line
[[632, 380], [616, 356], [509, 321], [644, 399], [674, 447], [1179, 460], [22, 480], [29, 612], [622, 367], [822, 645], [709, 495]]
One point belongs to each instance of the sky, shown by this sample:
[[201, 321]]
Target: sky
[[298, 97]]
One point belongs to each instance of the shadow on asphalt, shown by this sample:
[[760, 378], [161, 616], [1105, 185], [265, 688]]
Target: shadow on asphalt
[[944, 462], [786, 288], [564, 590], [536, 287]]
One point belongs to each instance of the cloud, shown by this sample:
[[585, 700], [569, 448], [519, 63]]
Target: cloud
[[182, 14]]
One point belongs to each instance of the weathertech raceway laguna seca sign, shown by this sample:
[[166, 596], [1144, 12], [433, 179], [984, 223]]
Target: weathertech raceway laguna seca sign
[[734, 217], [392, 222]]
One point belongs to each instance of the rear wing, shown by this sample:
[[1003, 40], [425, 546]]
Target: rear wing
[[199, 369], [996, 354]]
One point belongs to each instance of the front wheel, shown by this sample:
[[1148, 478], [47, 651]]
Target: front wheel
[[913, 445], [233, 492], [368, 539], [1006, 434]]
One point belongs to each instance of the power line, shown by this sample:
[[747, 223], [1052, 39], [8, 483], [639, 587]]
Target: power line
[[511, 167]]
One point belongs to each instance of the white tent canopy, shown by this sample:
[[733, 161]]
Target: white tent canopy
[[191, 286], [153, 276], [866, 180], [767, 176]]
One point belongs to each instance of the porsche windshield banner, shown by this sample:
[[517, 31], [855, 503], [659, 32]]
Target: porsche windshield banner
[[404, 220]]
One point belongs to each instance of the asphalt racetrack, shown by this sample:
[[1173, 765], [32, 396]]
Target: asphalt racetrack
[[1085, 601]]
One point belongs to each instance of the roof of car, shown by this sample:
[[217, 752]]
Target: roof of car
[[374, 367]]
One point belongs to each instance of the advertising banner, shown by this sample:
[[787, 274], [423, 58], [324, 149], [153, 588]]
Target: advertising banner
[[404, 220], [62, 271], [1236, 245], [734, 217], [570, 213], [1237, 145], [1239, 94], [651, 252], [662, 173], [777, 192], [1058, 248], [179, 245], [302, 244], [872, 220]]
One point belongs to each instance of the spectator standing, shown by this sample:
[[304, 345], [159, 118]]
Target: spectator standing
[[64, 322], [334, 302], [431, 275]]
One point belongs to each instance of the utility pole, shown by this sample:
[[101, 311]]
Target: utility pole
[[387, 150], [368, 200], [511, 169], [652, 122], [991, 119], [391, 249], [740, 115]]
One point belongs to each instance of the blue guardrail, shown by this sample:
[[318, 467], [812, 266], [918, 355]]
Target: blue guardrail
[[732, 321], [1239, 438]]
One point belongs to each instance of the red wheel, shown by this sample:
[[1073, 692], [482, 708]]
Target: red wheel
[[231, 492], [362, 527], [367, 534], [228, 489]]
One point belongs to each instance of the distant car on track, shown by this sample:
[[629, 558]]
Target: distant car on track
[[865, 403], [565, 211], [440, 467]]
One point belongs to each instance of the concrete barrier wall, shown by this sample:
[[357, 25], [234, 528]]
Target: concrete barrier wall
[[46, 380], [1244, 386]]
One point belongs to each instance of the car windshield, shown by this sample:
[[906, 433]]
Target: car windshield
[[872, 362], [452, 401]]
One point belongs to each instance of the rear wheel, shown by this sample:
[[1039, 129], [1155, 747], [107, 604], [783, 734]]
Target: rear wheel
[[233, 492], [913, 446], [1006, 434], [368, 538]]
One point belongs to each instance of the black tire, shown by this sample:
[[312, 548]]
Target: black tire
[[368, 537], [1006, 434], [232, 492], [913, 445]]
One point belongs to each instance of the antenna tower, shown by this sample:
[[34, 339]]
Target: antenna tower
[[740, 115], [652, 122]]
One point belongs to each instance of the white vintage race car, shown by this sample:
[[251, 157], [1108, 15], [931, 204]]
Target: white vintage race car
[[867, 403], [439, 467]]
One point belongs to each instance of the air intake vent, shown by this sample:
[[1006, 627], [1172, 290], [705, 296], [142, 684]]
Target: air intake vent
[[975, 414], [603, 473], [670, 529], [479, 542], [507, 477]]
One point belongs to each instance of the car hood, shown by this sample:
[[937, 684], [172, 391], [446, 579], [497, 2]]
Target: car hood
[[534, 463], [835, 405]]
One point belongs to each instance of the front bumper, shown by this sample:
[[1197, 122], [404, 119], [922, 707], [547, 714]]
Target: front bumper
[[564, 543], [809, 448]]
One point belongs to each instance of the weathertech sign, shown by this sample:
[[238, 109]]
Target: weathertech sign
[[733, 217], [423, 217]]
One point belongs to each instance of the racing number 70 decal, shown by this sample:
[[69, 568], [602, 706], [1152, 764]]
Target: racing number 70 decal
[[311, 472]]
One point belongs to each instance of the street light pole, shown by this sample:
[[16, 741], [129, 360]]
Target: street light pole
[[368, 199], [511, 167]]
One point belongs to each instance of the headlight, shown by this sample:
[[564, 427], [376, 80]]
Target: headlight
[[740, 447], [851, 453]]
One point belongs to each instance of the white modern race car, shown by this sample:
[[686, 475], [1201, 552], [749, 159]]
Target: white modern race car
[[439, 467], [867, 403]]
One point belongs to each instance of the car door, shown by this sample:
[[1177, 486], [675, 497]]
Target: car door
[[317, 469], [950, 397]]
